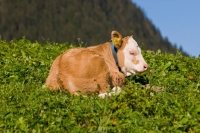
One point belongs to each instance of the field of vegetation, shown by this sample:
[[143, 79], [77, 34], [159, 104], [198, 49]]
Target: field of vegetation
[[166, 98]]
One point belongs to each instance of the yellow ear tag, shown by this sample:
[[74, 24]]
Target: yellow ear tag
[[115, 41]]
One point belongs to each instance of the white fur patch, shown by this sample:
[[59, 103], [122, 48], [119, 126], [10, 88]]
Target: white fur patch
[[71, 86], [115, 91]]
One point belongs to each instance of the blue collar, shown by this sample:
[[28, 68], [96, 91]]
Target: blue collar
[[114, 52]]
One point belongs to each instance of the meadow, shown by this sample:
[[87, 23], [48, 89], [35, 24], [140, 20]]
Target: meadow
[[166, 98]]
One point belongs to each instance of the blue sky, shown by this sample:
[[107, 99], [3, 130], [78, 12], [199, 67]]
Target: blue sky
[[178, 20]]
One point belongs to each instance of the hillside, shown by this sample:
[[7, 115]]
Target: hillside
[[165, 98], [66, 20]]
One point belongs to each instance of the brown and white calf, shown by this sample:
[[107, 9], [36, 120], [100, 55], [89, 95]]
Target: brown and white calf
[[96, 69]]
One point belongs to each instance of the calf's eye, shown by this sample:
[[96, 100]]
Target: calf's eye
[[131, 52]]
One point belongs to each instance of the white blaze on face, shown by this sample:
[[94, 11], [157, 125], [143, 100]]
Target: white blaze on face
[[133, 59]]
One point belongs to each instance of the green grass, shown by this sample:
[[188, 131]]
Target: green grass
[[27, 107]]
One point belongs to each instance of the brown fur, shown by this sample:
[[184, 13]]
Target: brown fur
[[135, 61], [87, 70]]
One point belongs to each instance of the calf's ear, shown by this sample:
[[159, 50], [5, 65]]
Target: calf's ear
[[116, 38]]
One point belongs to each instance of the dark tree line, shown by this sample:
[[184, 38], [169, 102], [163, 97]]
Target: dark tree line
[[67, 20]]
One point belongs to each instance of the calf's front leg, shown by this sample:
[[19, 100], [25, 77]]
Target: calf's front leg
[[117, 78]]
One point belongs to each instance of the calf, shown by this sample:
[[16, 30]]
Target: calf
[[96, 69]]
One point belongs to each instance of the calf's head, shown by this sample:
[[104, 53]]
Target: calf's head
[[130, 58]]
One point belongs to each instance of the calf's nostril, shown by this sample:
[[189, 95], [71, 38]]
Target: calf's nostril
[[145, 67]]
